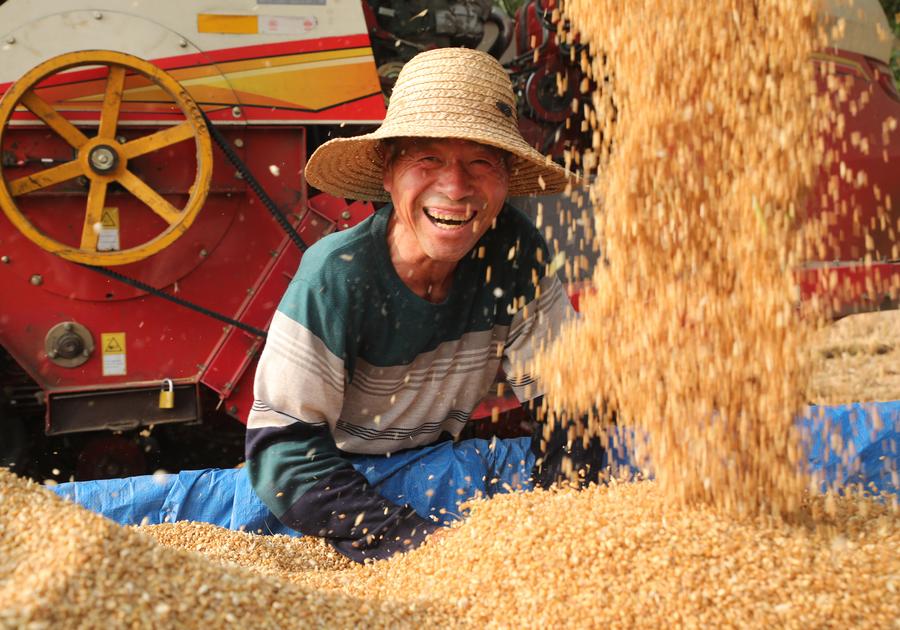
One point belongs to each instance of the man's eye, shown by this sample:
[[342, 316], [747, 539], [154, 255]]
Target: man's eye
[[429, 159]]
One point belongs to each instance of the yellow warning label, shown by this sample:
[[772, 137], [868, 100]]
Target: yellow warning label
[[114, 344], [112, 347], [110, 218], [108, 240]]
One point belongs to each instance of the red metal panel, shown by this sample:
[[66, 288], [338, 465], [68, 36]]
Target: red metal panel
[[337, 210], [851, 287], [860, 190], [217, 264], [231, 369]]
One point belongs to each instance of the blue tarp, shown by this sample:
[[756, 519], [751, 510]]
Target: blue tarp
[[869, 435], [434, 480]]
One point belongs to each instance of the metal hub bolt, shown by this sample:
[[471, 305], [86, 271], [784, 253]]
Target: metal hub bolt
[[69, 344], [103, 158]]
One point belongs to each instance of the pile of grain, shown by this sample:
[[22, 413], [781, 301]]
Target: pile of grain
[[705, 123], [857, 359], [691, 335], [608, 555], [62, 566]]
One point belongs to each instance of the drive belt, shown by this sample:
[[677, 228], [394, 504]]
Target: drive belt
[[248, 177], [115, 275], [266, 200]]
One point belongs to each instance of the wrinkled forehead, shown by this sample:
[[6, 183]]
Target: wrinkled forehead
[[394, 147]]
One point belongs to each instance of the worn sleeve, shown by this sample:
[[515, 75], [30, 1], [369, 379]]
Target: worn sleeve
[[540, 308], [292, 460], [561, 455]]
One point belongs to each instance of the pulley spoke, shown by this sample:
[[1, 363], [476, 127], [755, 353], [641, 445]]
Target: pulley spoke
[[90, 232], [158, 140], [42, 109], [47, 177], [101, 159], [112, 101], [169, 213]]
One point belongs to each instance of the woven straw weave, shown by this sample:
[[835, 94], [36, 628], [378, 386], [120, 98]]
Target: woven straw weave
[[443, 93]]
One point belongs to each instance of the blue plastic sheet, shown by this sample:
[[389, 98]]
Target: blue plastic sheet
[[869, 435], [434, 480]]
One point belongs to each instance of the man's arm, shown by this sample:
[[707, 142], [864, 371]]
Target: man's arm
[[560, 454], [310, 486], [292, 460]]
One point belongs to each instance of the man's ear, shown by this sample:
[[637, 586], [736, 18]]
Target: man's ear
[[387, 177]]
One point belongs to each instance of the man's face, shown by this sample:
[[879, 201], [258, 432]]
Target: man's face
[[446, 193]]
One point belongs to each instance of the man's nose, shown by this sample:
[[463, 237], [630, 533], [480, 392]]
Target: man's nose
[[454, 182]]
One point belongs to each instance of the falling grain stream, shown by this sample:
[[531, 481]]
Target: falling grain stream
[[707, 128]]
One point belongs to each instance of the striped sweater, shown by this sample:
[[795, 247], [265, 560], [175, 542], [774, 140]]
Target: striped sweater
[[355, 363]]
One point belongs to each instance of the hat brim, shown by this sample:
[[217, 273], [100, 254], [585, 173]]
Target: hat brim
[[353, 167]]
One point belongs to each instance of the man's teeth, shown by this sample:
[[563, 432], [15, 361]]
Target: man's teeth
[[448, 220]]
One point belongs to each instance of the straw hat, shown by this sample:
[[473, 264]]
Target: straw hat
[[442, 93]]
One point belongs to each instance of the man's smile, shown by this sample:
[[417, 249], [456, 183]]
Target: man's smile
[[449, 220], [446, 194]]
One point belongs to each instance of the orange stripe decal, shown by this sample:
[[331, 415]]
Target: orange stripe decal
[[230, 24]]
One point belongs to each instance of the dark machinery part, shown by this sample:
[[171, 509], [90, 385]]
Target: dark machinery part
[[401, 29], [21, 402], [425, 24], [120, 409], [544, 69], [69, 344], [110, 456], [543, 97], [103, 159], [13, 442]]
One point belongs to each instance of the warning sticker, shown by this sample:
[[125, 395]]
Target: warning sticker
[[255, 24], [109, 230], [286, 25], [112, 347]]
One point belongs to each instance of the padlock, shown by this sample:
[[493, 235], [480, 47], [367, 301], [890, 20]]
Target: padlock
[[167, 395]]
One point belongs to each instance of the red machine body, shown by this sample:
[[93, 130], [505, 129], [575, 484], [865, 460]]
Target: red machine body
[[109, 350], [88, 351], [858, 189], [234, 260]]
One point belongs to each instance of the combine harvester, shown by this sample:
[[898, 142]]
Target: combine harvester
[[139, 263], [139, 269]]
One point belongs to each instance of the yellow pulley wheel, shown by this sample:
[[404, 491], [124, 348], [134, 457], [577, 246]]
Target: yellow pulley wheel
[[102, 159]]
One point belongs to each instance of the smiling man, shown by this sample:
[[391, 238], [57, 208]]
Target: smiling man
[[392, 332], [446, 194]]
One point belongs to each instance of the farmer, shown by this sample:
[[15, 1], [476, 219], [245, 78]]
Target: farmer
[[392, 331]]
